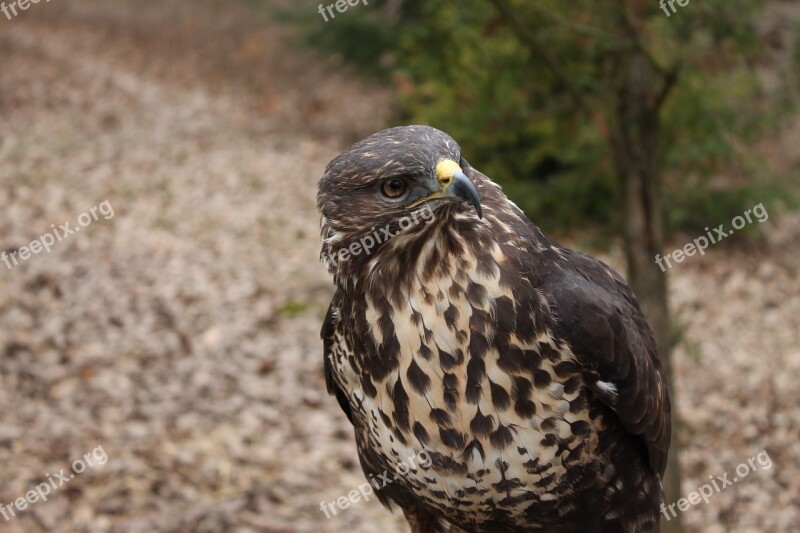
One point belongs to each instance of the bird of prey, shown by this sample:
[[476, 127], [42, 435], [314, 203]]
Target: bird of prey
[[524, 370]]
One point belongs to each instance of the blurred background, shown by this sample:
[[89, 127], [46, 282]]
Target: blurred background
[[180, 334]]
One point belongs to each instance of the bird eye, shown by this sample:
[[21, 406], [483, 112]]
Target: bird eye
[[393, 188]]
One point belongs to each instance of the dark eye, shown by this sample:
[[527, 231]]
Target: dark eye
[[393, 188]]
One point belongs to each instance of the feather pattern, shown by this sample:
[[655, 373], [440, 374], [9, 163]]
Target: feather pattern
[[524, 370]]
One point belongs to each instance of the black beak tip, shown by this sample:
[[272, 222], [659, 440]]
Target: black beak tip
[[463, 188]]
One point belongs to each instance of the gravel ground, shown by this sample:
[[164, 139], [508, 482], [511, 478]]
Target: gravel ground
[[180, 334]]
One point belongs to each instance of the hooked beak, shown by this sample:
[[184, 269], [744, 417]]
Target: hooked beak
[[461, 187], [455, 185]]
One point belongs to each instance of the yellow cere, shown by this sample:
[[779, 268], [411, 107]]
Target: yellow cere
[[445, 170]]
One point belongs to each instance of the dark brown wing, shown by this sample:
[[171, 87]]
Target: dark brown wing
[[328, 335], [599, 318]]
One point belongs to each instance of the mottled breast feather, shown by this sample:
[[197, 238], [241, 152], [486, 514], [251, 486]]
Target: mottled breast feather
[[525, 371]]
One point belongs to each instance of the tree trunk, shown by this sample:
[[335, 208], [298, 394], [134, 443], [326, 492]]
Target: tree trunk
[[635, 140]]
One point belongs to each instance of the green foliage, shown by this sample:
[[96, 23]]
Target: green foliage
[[486, 97], [363, 36], [460, 67], [292, 309], [697, 208]]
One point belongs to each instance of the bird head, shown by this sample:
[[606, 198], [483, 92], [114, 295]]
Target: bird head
[[393, 184]]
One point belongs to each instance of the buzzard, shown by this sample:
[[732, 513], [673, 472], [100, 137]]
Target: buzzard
[[524, 370]]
